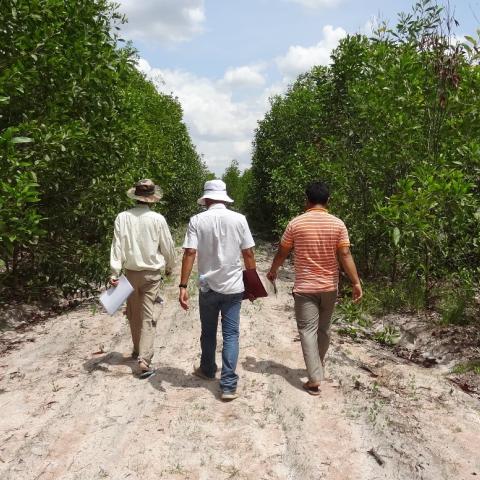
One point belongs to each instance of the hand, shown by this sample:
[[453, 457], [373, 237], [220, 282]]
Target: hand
[[357, 292], [183, 298], [272, 276], [113, 281]]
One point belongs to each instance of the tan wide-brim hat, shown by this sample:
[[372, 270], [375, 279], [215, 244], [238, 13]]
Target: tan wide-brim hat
[[145, 191], [215, 190]]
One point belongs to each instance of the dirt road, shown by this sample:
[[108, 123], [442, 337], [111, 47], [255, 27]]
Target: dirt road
[[69, 412]]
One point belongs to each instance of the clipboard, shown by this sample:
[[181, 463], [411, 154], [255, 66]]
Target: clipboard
[[113, 298], [253, 286]]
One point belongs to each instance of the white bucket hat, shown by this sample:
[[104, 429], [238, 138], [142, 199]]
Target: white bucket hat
[[215, 190]]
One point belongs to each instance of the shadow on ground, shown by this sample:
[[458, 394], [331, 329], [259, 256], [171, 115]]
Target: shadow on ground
[[291, 375], [112, 358], [179, 378], [175, 377]]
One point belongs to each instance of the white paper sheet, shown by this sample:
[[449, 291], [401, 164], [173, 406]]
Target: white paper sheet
[[113, 298]]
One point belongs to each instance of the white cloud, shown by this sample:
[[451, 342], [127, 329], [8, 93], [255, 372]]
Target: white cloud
[[144, 66], [222, 114], [246, 76], [221, 128], [164, 21], [219, 154], [318, 3], [300, 59], [209, 109]]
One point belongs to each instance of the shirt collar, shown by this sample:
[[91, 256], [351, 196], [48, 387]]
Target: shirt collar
[[216, 206], [317, 209]]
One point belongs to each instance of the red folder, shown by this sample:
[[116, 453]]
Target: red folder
[[253, 286]]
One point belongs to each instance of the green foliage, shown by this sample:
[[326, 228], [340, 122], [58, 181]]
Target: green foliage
[[232, 178], [18, 190], [78, 126], [392, 126], [381, 298], [356, 320], [237, 184], [352, 313], [457, 299], [388, 335], [473, 366], [352, 317]]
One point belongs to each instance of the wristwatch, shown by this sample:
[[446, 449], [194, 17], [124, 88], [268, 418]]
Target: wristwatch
[[183, 285]]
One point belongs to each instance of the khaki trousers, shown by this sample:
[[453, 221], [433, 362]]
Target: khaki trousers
[[141, 312], [313, 312]]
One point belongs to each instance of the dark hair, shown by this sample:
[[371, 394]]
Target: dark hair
[[317, 193]]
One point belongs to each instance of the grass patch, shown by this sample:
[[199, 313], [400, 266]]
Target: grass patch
[[381, 298], [472, 366], [456, 306], [453, 299], [352, 313], [389, 335], [178, 234]]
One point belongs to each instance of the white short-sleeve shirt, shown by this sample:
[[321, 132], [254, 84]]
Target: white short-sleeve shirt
[[219, 235]]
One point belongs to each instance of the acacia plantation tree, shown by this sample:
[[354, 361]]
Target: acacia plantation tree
[[392, 125], [78, 125]]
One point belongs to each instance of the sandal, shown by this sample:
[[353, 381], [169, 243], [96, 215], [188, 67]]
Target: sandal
[[145, 369], [312, 390]]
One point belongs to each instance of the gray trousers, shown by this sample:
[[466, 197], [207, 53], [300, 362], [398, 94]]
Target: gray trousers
[[313, 312]]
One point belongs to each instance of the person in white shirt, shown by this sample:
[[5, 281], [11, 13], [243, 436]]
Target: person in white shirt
[[142, 246], [219, 237]]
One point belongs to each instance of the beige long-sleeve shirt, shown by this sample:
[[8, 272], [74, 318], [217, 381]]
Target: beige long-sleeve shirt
[[141, 241]]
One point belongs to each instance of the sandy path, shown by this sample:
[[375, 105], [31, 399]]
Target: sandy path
[[68, 413]]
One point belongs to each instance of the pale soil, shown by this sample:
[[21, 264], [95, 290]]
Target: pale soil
[[70, 413]]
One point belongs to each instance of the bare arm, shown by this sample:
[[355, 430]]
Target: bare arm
[[346, 260], [249, 259], [188, 260], [278, 260]]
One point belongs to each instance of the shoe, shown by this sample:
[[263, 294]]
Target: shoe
[[229, 395], [198, 372], [312, 390]]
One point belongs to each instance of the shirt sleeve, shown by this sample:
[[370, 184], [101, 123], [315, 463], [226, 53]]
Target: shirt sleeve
[[191, 236], [287, 237], [247, 240], [166, 245], [343, 240], [116, 250]]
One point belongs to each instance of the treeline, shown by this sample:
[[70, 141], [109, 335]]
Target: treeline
[[238, 184], [78, 126], [393, 126]]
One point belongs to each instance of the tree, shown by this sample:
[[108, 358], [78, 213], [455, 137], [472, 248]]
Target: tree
[[78, 126], [391, 126]]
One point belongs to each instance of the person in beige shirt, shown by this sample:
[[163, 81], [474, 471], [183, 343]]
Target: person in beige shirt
[[142, 246]]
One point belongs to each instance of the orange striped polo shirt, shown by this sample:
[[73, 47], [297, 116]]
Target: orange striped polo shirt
[[315, 237]]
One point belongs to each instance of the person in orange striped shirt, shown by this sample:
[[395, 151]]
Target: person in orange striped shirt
[[320, 242]]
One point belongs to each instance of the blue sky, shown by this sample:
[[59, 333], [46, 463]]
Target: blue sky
[[223, 59]]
